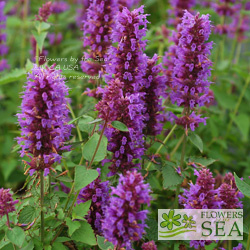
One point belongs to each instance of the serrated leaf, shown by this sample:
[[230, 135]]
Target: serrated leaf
[[203, 161], [27, 214], [104, 245], [84, 125], [80, 210], [152, 229], [242, 186], [84, 176], [170, 176], [51, 200], [196, 140], [58, 246], [120, 126], [84, 234], [90, 147], [30, 246], [16, 236], [72, 225]]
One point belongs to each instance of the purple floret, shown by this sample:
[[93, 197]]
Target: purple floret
[[124, 221], [44, 118], [7, 205], [149, 245]]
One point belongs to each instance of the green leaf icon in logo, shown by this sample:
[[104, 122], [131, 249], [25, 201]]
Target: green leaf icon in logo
[[188, 221], [170, 220]]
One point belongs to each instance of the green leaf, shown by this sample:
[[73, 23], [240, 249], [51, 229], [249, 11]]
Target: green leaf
[[11, 163], [16, 236], [170, 176], [152, 229], [40, 38], [242, 186], [51, 201], [90, 147], [95, 121], [84, 176], [14, 75], [62, 239], [72, 225], [203, 161], [30, 246], [120, 126], [196, 140], [27, 215], [104, 245], [59, 246], [243, 123], [84, 125], [84, 234], [79, 211]]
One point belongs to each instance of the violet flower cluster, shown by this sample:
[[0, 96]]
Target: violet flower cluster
[[44, 12], [7, 204], [192, 68], [127, 64], [149, 245], [59, 7], [98, 192], [124, 222], [82, 12], [204, 195], [44, 118], [3, 47], [154, 87], [97, 29]]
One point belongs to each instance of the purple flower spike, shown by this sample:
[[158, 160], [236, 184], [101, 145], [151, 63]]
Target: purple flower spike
[[7, 205], [97, 30], [59, 7], [98, 192], [44, 118], [192, 67], [154, 89], [124, 222], [123, 98], [3, 47], [149, 246], [44, 12]]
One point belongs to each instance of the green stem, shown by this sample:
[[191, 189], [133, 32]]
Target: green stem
[[183, 152], [163, 144], [238, 105], [230, 245], [37, 48], [42, 200], [248, 240], [8, 220], [238, 51]]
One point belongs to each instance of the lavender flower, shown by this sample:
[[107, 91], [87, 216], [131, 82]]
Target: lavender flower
[[44, 12], [192, 67], [59, 7], [200, 244], [98, 192], [7, 205], [127, 64], [55, 39], [3, 47], [149, 246], [81, 11], [239, 247], [128, 3], [229, 193], [124, 222], [202, 194], [97, 29], [44, 118], [154, 87]]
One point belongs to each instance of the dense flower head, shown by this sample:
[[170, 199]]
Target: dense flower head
[[124, 145], [3, 47], [227, 7], [149, 245], [97, 29], [44, 12], [202, 194], [59, 7], [123, 99], [7, 205], [154, 88], [44, 118], [192, 66], [98, 192], [124, 222]]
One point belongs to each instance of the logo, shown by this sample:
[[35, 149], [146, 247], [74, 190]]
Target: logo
[[200, 224]]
